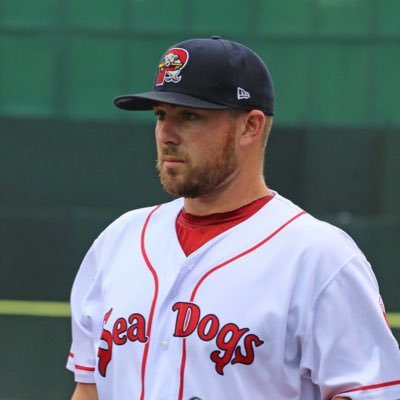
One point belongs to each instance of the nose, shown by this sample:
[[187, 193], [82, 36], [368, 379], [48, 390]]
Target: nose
[[166, 131]]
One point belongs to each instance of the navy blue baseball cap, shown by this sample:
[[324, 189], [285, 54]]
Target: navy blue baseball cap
[[212, 74]]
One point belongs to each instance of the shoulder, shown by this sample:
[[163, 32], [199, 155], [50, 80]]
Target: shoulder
[[325, 260], [317, 248], [126, 230], [312, 233], [322, 237], [133, 221]]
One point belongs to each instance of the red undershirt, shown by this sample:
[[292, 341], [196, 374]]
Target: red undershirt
[[193, 231]]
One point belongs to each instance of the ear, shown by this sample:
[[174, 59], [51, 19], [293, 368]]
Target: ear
[[254, 122]]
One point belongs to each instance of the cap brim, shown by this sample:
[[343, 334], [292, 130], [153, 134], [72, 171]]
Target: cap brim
[[146, 101]]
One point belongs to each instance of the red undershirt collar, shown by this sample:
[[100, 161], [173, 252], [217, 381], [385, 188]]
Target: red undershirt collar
[[238, 215], [194, 231]]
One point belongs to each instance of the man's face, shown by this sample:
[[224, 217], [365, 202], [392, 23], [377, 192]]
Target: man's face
[[196, 149]]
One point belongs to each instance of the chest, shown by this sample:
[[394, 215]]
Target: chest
[[226, 312], [216, 302]]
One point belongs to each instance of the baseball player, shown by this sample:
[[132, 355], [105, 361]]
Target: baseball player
[[230, 291]]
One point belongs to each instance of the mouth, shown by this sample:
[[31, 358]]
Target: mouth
[[171, 162]]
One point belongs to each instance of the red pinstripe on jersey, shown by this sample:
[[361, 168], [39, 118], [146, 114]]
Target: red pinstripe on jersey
[[211, 271], [153, 304], [370, 387], [81, 367], [242, 254]]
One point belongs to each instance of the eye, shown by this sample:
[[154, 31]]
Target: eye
[[160, 115], [189, 116]]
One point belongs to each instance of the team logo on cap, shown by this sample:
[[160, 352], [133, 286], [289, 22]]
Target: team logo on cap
[[171, 66]]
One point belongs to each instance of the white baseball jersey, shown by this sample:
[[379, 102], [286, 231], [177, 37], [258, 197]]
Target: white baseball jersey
[[279, 307]]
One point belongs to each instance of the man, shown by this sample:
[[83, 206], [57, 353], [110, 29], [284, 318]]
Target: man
[[230, 291]]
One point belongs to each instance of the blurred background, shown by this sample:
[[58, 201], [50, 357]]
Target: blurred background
[[70, 162]]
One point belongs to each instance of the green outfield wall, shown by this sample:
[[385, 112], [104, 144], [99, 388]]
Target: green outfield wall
[[333, 61]]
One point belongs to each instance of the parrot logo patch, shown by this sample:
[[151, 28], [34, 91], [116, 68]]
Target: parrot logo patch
[[171, 66]]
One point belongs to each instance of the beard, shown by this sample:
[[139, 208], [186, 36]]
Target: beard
[[203, 178]]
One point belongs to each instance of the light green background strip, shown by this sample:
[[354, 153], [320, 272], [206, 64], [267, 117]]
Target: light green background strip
[[394, 320], [62, 309], [35, 308]]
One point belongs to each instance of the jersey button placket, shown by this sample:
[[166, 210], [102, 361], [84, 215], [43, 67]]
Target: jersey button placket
[[165, 344], [186, 268]]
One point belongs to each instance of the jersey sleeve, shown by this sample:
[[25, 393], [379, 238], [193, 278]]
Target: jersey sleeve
[[349, 348], [85, 303]]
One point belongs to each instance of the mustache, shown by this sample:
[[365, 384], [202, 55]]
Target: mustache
[[173, 152]]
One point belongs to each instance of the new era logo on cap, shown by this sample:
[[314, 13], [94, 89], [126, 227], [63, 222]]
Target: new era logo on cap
[[242, 94]]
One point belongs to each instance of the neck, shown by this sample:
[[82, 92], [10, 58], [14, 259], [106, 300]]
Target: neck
[[229, 196]]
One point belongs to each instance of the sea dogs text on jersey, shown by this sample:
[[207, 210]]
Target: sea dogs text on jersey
[[234, 345], [227, 337]]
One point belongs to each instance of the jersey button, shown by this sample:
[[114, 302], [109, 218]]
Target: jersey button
[[195, 398], [165, 344]]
